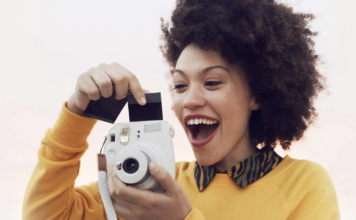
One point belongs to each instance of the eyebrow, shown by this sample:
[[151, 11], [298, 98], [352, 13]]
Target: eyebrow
[[205, 70]]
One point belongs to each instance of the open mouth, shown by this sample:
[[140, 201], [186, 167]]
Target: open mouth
[[202, 129]]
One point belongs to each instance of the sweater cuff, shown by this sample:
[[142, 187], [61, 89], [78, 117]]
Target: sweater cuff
[[194, 214], [71, 130]]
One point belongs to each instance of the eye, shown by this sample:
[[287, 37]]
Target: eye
[[179, 86], [212, 83]]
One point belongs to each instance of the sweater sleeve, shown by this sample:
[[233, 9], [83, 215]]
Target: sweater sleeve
[[194, 214], [50, 192], [319, 200]]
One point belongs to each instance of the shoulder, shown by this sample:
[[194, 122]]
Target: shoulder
[[308, 171], [302, 176], [184, 168], [300, 169], [307, 189]]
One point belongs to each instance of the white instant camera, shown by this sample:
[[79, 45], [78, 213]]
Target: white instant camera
[[131, 146]]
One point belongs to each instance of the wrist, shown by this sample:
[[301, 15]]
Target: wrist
[[72, 107], [71, 130]]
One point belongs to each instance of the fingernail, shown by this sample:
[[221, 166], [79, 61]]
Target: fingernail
[[154, 167], [143, 100]]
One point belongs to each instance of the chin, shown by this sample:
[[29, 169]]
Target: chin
[[205, 159]]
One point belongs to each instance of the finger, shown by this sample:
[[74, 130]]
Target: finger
[[118, 190], [115, 185], [121, 211], [127, 204], [112, 184], [163, 177], [120, 81], [136, 89], [146, 91], [103, 81], [133, 83], [87, 86]]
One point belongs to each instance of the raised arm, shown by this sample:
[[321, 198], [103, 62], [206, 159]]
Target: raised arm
[[51, 193]]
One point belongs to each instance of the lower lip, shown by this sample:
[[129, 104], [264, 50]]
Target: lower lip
[[198, 143]]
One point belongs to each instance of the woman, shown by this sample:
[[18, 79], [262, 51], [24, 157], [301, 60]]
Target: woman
[[243, 80]]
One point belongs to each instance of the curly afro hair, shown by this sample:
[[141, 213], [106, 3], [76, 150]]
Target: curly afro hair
[[273, 45]]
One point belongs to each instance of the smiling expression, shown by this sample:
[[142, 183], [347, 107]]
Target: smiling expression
[[213, 102]]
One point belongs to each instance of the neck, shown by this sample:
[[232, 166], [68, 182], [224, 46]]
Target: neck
[[242, 150]]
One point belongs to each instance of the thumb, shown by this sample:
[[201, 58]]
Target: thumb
[[162, 176]]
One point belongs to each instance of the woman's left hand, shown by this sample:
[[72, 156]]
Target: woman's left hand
[[133, 203]]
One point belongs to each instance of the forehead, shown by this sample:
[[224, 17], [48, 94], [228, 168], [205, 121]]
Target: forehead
[[194, 58]]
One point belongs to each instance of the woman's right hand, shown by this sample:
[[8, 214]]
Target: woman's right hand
[[99, 81]]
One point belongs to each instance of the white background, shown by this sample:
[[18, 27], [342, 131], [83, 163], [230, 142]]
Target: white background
[[45, 45]]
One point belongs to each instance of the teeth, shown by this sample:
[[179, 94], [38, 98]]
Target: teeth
[[197, 121]]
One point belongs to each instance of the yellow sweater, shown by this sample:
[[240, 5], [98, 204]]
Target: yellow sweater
[[295, 189]]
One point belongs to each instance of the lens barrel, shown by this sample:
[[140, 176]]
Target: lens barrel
[[130, 165], [134, 166]]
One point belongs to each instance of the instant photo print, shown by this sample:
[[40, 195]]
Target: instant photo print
[[108, 109]]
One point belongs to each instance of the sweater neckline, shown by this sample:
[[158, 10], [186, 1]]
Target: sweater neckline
[[243, 173], [224, 180]]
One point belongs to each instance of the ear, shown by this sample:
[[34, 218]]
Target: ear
[[254, 105]]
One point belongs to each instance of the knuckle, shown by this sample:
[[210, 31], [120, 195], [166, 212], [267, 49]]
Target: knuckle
[[114, 64], [91, 70], [179, 190], [81, 84], [165, 176], [112, 192], [81, 77], [112, 70], [104, 83], [139, 213], [119, 192], [151, 202], [131, 76], [103, 65], [93, 92], [115, 192], [119, 78], [148, 202]]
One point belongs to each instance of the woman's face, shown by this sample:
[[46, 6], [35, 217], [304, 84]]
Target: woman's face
[[213, 102]]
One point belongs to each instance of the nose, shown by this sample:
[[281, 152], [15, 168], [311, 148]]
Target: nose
[[194, 99]]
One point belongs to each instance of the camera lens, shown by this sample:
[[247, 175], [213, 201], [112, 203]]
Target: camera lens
[[130, 165]]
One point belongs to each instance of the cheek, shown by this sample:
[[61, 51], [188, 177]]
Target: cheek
[[177, 105], [234, 110], [231, 103]]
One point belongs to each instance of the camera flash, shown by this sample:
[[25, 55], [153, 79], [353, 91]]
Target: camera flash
[[124, 134]]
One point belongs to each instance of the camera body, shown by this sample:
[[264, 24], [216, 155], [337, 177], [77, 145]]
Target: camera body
[[131, 146]]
